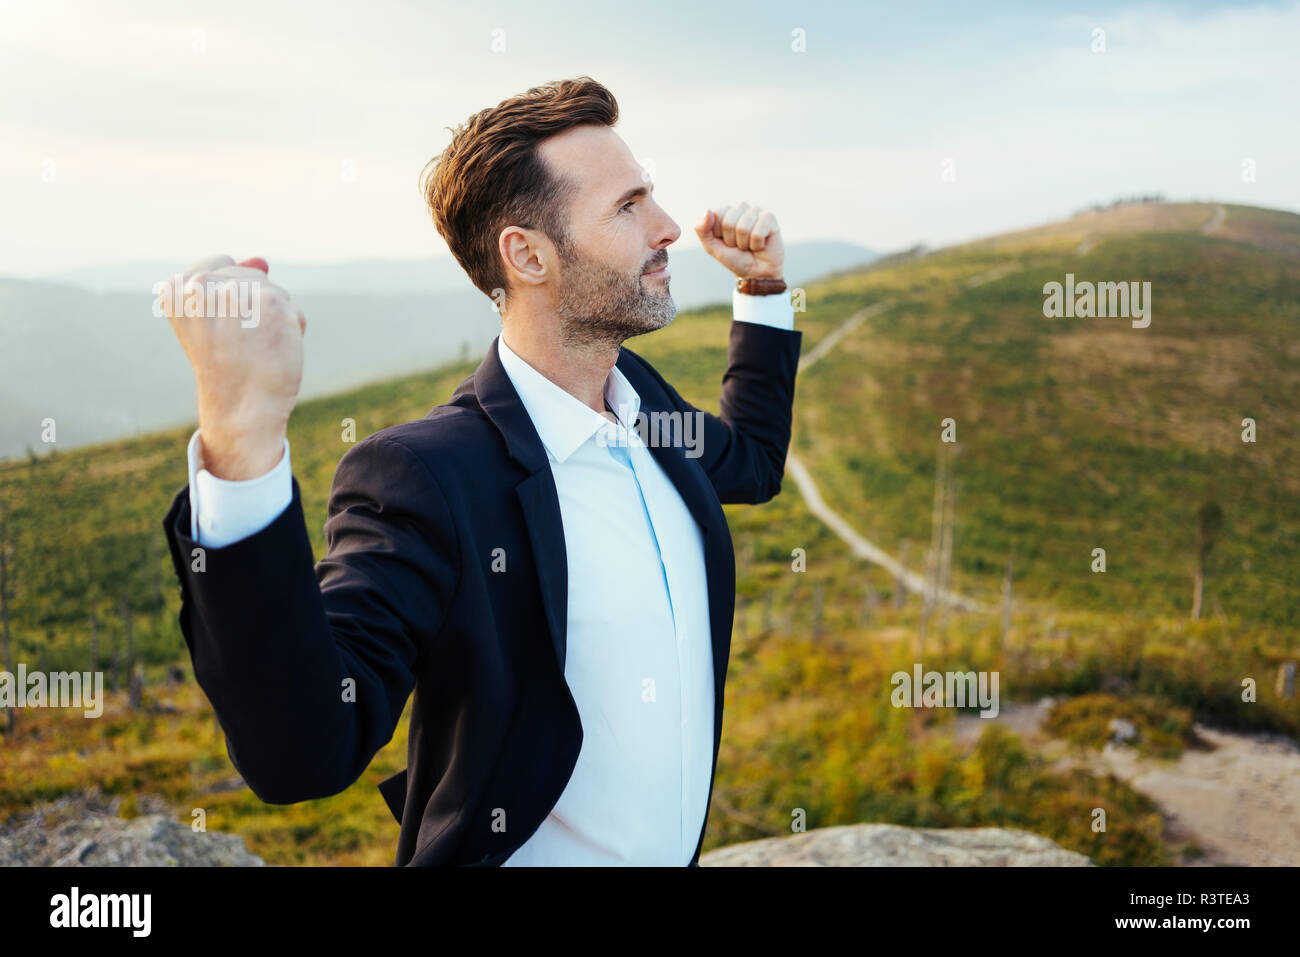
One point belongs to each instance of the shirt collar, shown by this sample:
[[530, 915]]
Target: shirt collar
[[562, 421]]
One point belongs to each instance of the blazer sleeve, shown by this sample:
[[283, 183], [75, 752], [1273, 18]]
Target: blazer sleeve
[[744, 447], [309, 667]]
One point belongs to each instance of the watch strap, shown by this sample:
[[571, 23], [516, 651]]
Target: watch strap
[[750, 286]]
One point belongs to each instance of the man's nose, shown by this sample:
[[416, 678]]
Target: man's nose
[[673, 232], [670, 234]]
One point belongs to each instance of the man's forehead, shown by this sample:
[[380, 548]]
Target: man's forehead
[[595, 159]]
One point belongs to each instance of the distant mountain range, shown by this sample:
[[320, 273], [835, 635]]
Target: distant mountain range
[[697, 279], [85, 349]]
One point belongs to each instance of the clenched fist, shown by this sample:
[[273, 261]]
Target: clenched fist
[[243, 335], [746, 239]]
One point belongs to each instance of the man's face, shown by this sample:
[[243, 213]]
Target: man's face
[[612, 283]]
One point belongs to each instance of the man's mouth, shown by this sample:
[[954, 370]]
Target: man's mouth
[[660, 273]]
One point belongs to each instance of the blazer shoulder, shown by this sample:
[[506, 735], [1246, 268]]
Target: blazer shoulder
[[444, 440]]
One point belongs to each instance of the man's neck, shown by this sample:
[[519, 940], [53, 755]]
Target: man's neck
[[580, 370]]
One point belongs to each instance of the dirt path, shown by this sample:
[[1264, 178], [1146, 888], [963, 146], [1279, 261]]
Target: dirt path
[[1209, 226], [858, 545], [1238, 798], [833, 338], [862, 547], [1215, 221]]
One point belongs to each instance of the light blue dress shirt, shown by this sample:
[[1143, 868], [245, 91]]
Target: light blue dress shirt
[[639, 660]]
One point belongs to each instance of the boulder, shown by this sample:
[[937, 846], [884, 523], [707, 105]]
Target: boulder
[[70, 833], [888, 845]]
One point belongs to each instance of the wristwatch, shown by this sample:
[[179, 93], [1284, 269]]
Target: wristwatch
[[760, 287]]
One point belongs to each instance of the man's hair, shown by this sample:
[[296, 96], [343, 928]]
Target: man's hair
[[490, 175]]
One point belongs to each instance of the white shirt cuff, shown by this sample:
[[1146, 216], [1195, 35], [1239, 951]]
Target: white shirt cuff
[[772, 310], [223, 512]]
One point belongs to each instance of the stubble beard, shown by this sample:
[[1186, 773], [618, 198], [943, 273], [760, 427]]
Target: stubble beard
[[600, 307]]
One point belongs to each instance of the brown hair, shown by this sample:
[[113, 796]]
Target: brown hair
[[490, 176]]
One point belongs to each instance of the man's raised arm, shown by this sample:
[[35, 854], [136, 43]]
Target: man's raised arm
[[308, 667], [744, 446]]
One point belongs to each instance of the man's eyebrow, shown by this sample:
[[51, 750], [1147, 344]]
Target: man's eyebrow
[[634, 193]]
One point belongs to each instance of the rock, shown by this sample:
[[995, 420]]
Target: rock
[[887, 845], [1122, 731], [72, 832]]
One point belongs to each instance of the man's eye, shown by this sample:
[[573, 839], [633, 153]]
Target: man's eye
[[626, 205]]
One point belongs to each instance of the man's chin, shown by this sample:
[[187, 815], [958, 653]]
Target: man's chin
[[661, 319], [647, 323]]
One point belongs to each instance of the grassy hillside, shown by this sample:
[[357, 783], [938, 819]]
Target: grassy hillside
[[1073, 434]]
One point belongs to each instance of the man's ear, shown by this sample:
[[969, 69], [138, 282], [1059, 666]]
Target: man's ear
[[525, 256]]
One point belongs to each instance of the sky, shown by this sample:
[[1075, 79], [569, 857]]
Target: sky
[[173, 130]]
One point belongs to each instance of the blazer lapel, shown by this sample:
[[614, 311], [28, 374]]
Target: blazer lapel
[[537, 493], [541, 505]]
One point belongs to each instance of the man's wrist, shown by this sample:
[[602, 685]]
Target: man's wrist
[[223, 512], [235, 457]]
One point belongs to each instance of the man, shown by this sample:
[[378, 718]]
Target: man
[[554, 581]]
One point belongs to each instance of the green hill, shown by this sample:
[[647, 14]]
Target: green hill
[[1081, 433]]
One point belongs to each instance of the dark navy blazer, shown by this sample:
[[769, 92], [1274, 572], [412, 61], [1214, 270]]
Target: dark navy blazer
[[405, 600]]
